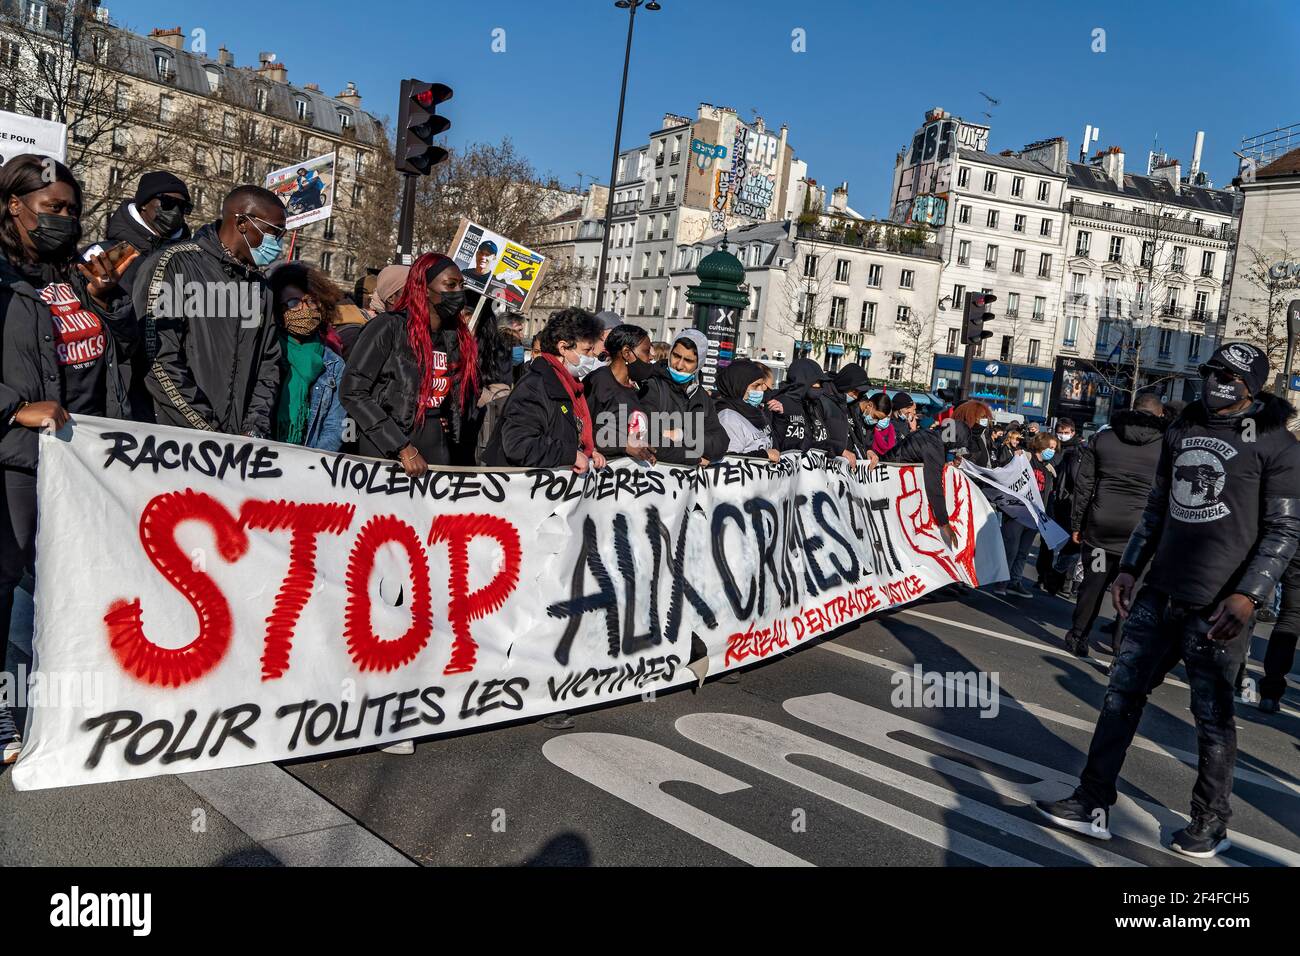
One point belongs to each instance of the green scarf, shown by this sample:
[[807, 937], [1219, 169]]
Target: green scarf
[[301, 364]]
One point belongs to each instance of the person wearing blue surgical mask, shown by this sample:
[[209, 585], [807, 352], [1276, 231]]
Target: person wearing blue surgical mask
[[684, 427], [742, 409], [217, 360], [1017, 538]]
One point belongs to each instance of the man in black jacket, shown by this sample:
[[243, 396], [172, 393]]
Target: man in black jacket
[[1220, 525], [155, 217], [208, 324], [1112, 483]]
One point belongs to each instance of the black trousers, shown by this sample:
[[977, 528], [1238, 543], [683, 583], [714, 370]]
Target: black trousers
[[17, 539], [1281, 643], [1100, 569], [1157, 633]]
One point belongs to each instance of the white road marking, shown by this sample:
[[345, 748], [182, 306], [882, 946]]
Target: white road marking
[[634, 770], [1287, 787], [767, 747], [1048, 648], [1138, 820]]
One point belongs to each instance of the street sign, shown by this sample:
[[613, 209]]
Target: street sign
[[1295, 383]]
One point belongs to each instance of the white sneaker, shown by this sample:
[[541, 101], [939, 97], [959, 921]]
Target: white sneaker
[[10, 740], [405, 747]]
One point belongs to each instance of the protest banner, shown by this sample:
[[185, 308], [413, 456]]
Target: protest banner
[[240, 601], [307, 189], [495, 266], [1013, 490], [27, 134]]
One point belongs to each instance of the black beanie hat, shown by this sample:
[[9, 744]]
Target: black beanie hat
[[156, 183]]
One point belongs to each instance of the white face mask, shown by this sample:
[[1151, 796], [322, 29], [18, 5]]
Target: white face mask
[[1064, 438], [984, 423], [586, 365]]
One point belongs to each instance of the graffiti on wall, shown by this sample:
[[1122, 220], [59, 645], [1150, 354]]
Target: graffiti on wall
[[705, 153], [929, 210], [973, 137]]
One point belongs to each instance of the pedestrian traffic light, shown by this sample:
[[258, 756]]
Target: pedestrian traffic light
[[972, 323], [417, 124]]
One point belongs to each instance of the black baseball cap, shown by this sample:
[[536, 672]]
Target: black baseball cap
[[1240, 358]]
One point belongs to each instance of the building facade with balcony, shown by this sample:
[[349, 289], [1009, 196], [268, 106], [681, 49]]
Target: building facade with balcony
[[696, 178], [1147, 262], [149, 99]]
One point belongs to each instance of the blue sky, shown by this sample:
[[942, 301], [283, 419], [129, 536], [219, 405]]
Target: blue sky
[[851, 100]]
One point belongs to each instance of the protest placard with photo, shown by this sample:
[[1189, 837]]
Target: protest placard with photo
[[496, 266], [307, 190]]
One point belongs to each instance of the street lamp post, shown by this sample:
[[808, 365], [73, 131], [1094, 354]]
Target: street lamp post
[[630, 6]]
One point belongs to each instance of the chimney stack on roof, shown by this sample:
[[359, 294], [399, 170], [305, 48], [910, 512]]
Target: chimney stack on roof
[[272, 69], [225, 57], [1112, 164], [351, 96], [173, 38], [1170, 170]]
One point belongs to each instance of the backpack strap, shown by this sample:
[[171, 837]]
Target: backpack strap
[[156, 283]]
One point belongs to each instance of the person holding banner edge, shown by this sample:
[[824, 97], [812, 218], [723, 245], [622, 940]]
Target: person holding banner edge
[[67, 328], [1225, 502], [546, 422], [414, 371]]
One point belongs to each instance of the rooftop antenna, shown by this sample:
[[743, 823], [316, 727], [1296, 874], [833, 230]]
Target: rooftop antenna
[[1090, 135]]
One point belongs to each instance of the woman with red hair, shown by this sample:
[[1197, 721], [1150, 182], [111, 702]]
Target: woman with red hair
[[414, 370]]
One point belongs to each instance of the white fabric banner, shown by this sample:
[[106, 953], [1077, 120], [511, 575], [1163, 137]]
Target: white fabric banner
[[224, 601], [1014, 491], [29, 134]]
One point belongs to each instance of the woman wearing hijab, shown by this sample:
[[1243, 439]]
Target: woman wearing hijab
[[852, 383], [414, 370], [622, 426], [692, 435], [546, 422], [66, 330], [811, 416], [309, 411], [742, 412]]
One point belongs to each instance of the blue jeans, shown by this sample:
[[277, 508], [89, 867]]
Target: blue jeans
[[1157, 634]]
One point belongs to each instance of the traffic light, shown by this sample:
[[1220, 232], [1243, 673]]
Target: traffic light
[[417, 124], [972, 323]]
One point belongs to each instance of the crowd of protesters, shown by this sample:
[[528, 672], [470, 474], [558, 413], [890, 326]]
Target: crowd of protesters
[[207, 330]]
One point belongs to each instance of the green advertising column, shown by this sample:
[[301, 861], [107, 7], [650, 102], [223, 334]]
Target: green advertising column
[[718, 302]]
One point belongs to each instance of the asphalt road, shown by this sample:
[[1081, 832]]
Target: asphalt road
[[817, 757]]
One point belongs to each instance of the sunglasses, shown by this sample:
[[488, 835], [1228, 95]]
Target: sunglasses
[[173, 202], [1223, 376], [275, 232]]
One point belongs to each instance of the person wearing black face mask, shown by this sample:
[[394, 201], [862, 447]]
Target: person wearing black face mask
[[1219, 528], [146, 223], [413, 374], [622, 426], [64, 328]]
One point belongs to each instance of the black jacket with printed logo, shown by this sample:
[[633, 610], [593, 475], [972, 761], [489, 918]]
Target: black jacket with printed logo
[[1223, 515], [29, 362]]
